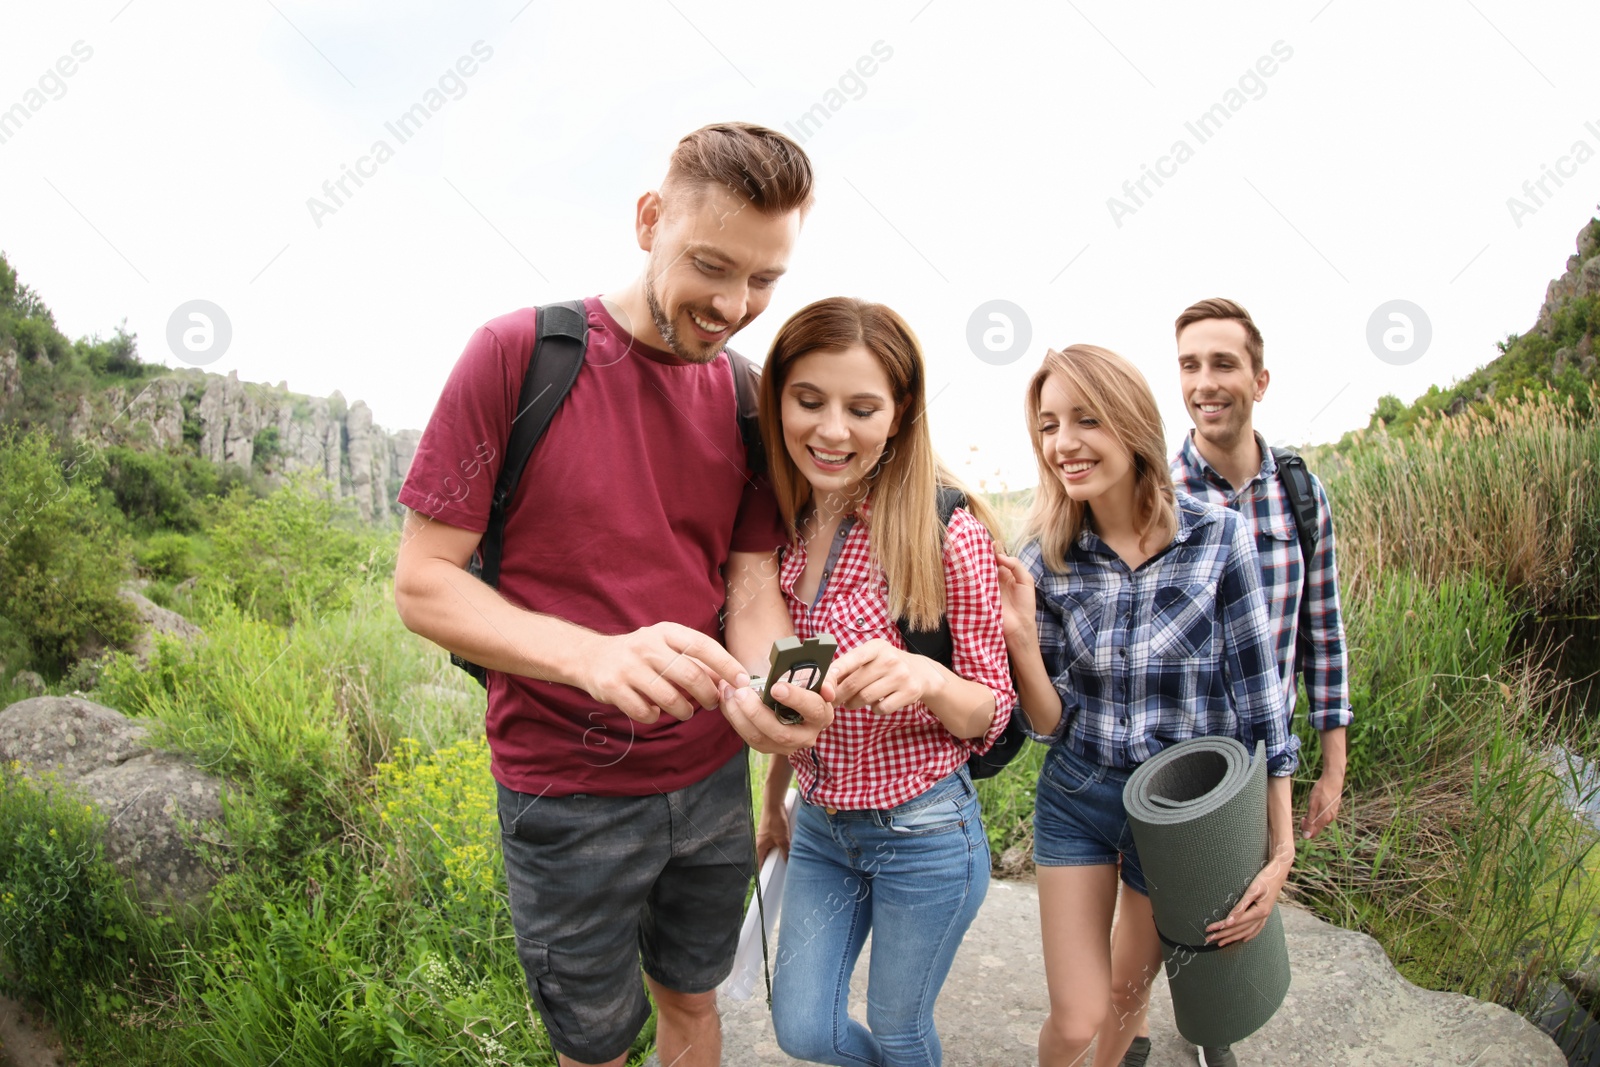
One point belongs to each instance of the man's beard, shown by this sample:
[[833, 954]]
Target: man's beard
[[669, 333]]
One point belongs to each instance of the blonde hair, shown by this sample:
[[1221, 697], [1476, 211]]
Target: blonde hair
[[1114, 392], [904, 533]]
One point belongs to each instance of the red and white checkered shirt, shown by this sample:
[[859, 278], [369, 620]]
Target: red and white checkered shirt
[[866, 760]]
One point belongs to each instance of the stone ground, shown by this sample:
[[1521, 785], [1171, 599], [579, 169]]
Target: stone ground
[[25, 1041], [1347, 1006]]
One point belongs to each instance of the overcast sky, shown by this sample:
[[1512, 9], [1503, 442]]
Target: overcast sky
[[158, 152]]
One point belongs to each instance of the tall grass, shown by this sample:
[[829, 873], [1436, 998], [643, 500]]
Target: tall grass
[[1513, 495], [1458, 846], [1469, 866], [296, 716]]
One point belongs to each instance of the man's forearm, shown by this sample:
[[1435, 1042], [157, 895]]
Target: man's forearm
[[1334, 753], [451, 608]]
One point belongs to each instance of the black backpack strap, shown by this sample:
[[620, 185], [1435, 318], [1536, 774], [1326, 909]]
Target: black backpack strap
[[747, 387], [936, 644], [1302, 500], [563, 333], [561, 337]]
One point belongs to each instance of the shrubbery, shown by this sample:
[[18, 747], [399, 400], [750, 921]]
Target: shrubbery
[[163, 490], [292, 555], [63, 910], [62, 558]]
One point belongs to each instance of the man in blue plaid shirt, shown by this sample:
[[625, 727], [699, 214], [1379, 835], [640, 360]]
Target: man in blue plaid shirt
[[1225, 461], [1220, 363]]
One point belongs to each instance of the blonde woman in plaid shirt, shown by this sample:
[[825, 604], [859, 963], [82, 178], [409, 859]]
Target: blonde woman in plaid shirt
[[887, 837], [1222, 369], [1134, 618]]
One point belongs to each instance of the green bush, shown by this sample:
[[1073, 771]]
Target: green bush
[[167, 557], [63, 911], [292, 555], [161, 490], [61, 557], [265, 448]]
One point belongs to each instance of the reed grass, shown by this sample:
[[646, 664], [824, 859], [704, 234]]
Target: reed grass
[[1513, 494]]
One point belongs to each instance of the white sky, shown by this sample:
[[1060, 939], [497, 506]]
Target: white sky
[[976, 164]]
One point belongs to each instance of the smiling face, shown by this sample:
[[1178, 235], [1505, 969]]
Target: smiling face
[[1088, 460], [714, 261], [1220, 387], [838, 413]]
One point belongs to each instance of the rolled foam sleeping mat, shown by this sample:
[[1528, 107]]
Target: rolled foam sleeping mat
[[1198, 812]]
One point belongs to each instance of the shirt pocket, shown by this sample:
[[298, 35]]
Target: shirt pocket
[[1278, 548], [1183, 621], [1082, 618], [859, 617]]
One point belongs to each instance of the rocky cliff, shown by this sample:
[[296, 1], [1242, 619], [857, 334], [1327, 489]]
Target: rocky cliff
[[255, 425]]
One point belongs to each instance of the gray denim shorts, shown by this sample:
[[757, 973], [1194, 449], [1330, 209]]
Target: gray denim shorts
[[599, 884]]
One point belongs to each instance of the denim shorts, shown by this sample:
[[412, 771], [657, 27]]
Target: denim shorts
[[1078, 817], [599, 884]]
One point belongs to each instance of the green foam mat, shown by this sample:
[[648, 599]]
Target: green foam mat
[[1198, 811]]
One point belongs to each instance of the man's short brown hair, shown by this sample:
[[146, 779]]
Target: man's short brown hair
[[1219, 308], [761, 165]]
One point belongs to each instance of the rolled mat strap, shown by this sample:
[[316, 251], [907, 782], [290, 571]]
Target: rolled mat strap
[[1198, 812]]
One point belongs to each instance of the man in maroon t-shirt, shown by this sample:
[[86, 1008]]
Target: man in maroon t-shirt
[[637, 544]]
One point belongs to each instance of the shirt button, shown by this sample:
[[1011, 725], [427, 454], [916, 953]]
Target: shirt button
[[1122, 652], [860, 621]]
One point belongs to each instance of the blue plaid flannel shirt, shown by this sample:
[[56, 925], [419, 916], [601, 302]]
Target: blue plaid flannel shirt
[[1180, 648], [1309, 629]]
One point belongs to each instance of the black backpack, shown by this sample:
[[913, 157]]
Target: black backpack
[[938, 646], [558, 352]]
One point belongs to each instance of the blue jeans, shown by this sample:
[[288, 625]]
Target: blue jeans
[[915, 875]]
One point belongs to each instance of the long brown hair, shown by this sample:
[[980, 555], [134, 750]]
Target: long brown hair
[[904, 533], [1114, 392]]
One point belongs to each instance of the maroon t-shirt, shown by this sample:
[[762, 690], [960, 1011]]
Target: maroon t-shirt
[[624, 517]]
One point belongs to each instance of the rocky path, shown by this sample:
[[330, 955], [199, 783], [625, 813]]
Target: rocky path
[[1347, 1007], [24, 1040]]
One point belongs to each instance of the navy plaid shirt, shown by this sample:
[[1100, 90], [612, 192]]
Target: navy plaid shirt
[[1180, 648], [1309, 629]]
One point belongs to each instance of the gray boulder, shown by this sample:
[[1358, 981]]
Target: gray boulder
[[1347, 1006], [156, 621], [156, 804]]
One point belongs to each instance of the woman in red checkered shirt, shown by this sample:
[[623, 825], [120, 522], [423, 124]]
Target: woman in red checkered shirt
[[887, 836]]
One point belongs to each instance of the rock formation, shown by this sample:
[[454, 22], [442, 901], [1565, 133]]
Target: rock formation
[[226, 421], [1582, 277], [155, 803]]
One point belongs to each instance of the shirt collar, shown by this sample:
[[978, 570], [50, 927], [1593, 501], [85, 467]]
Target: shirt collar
[[1190, 455], [1192, 514]]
